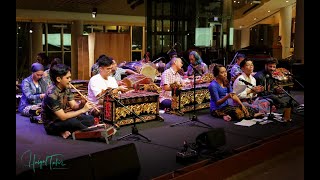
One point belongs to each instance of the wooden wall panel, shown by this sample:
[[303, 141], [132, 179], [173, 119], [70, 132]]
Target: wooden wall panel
[[83, 58], [116, 45]]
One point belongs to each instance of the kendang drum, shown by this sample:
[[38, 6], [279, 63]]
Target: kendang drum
[[134, 80]]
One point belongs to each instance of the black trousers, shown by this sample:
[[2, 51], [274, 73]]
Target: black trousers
[[73, 124]]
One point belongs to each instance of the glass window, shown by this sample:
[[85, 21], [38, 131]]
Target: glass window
[[67, 58], [67, 38], [159, 25], [166, 43], [124, 29], [87, 29], [152, 25], [136, 56], [54, 37], [53, 55], [111, 29], [166, 8], [166, 26], [137, 37]]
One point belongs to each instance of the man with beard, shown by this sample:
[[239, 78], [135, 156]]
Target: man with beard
[[272, 90]]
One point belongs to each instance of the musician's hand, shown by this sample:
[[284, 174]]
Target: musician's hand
[[231, 95], [83, 100], [88, 106], [245, 110], [42, 96], [258, 89], [122, 88], [121, 83]]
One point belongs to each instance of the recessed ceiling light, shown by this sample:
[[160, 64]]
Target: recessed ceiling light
[[268, 11]]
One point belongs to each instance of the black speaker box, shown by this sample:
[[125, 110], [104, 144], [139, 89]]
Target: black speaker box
[[120, 162], [212, 139]]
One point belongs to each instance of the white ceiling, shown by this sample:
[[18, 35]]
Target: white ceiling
[[261, 13], [121, 7]]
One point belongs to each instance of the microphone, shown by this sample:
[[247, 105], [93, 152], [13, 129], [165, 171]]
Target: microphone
[[157, 59], [267, 75], [245, 82]]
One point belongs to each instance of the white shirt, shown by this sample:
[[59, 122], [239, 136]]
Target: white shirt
[[97, 83], [241, 89]]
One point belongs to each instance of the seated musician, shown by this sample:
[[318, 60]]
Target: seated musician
[[117, 72], [245, 88], [169, 77], [221, 99], [197, 64], [236, 70], [146, 58], [271, 91], [99, 83], [46, 74], [33, 90], [168, 65], [58, 96], [95, 66]]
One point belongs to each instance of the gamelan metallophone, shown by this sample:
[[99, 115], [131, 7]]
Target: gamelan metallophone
[[183, 99], [142, 103]]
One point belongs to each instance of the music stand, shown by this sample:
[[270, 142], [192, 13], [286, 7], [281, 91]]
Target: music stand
[[194, 117], [134, 129]]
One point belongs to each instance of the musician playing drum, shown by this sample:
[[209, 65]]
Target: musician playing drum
[[117, 72], [99, 83], [55, 118], [169, 77]]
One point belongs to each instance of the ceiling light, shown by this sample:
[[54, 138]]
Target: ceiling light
[[94, 12]]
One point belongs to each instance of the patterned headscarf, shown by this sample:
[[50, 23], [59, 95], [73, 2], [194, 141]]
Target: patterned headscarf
[[37, 67]]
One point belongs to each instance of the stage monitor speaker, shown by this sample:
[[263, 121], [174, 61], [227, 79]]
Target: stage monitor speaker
[[212, 139], [121, 162]]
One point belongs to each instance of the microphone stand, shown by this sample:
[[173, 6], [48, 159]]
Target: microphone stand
[[296, 80], [291, 97], [134, 129], [194, 117]]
